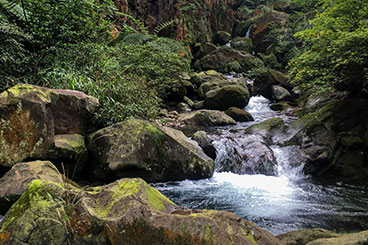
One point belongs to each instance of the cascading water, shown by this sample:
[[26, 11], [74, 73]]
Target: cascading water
[[284, 202]]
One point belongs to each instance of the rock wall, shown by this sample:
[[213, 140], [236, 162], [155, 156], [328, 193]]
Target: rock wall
[[194, 20]]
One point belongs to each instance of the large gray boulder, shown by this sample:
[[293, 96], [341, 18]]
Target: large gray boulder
[[137, 148], [128, 211], [206, 118], [222, 94], [221, 38], [264, 81], [31, 117], [239, 115], [242, 44]]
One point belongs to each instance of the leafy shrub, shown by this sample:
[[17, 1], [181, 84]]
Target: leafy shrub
[[336, 47], [126, 79]]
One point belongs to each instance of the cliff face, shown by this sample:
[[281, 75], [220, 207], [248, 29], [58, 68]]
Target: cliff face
[[193, 20]]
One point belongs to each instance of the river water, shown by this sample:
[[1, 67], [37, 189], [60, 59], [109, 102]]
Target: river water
[[282, 203]]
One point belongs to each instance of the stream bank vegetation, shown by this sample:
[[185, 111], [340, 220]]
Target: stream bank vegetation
[[75, 45]]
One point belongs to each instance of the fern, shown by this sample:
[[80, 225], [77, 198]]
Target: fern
[[138, 23], [14, 9], [162, 26], [135, 39]]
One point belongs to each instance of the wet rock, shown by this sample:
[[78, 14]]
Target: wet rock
[[349, 167], [14, 183], [302, 237], [329, 136], [137, 148], [280, 106], [31, 116], [206, 118], [204, 142], [268, 130], [239, 115], [263, 82], [242, 44], [248, 154], [221, 38], [226, 59], [128, 211], [278, 93]]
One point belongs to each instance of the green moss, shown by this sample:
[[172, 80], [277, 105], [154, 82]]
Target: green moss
[[20, 89], [31, 195], [251, 237], [118, 192], [156, 199], [207, 235]]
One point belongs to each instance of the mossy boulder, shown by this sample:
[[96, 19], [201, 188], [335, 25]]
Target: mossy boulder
[[279, 93], [242, 44], [137, 148], [221, 38], [225, 59], [282, 105], [203, 118], [239, 115], [302, 237], [207, 76], [263, 82], [222, 94], [268, 130], [128, 211], [227, 96], [31, 116], [346, 239], [15, 182], [329, 133]]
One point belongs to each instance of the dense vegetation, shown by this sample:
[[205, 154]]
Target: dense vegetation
[[335, 48], [73, 44], [76, 45]]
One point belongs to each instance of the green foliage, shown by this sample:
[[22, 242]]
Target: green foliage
[[159, 60], [126, 79], [13, 57], [138, 23], [336, 47], [67, 44]]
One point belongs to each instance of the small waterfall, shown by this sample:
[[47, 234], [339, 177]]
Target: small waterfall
[[271, 189], [248, 32]]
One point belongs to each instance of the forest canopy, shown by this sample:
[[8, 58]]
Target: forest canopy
[[335, 47]]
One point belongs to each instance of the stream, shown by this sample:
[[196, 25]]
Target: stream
[[285, 202]]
